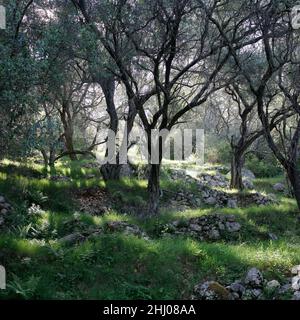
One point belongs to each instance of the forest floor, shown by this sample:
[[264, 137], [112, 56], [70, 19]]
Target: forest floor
[[116, 265]]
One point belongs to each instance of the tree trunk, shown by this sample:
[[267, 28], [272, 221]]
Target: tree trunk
[[45, 158], [294, 178], [237, 162], [154, 189], [67, 122], [52, 158], [110, 171], [69, 143]]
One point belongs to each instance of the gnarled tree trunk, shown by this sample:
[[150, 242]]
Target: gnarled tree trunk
[[154, 189], [68, 134], [237, 162], [294, 179]]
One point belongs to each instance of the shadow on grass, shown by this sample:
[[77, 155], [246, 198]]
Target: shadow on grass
[[21, 170], [125, 267]]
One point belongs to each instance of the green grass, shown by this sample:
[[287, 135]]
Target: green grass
[[116, 266]]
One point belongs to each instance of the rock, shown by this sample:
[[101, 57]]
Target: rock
[[4, 211], [210, 201], [296, 270], [94, 234], [272, 285], [209, 227], [252, 294], [296, 296], [214, 234], [212, 290], [2, 199], [221, 226], [296, 283], [232, 203], [261, 199], [5, 205], [279, 187], [254, 278], [285, 288], [237, 287], [60, 178], [273, 236], [90, 176], [230, 217], [122, 226], [246, 173], [248, 184], [255, 293], [195, 227], [72, 238], [233, 226], [198, 202]]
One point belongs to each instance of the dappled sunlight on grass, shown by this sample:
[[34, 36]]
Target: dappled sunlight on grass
[[118, 266], [23, 247]]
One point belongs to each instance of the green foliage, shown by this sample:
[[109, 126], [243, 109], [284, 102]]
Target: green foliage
[[263, 168], [217, 150], [43, 135], [118, 266], [34, 196], [23, 289]]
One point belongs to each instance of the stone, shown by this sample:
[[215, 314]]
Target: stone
[[90, 176], [246, 173], [221, 226], [94, 234], [60, 178], [296, 270], [233, 227], [5, 205], [273, 285], [252, 294], [296, 296], [2, 199], [230, 218], [285, 288], [232, 203], [237, 287], [198, 201], [279, 187], [4, 211], [208, 227], [254, 278], [248, 184], [122, 226], [211, 290], [273, 236], [214, 234], [72, 238], [195, 227], [210, 201], [296, 283], [256, 293]]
